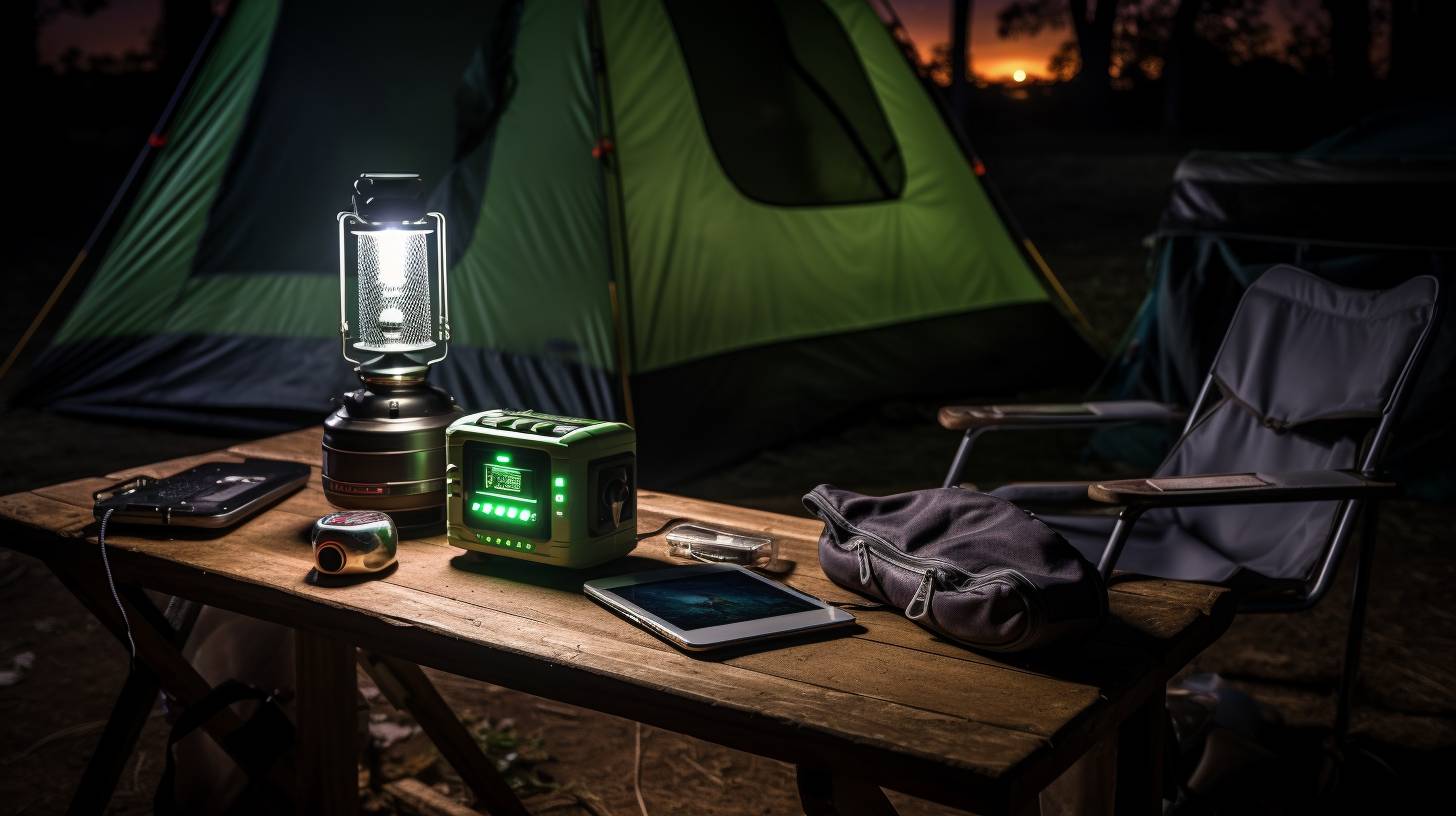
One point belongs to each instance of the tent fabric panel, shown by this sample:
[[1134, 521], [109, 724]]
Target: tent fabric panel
[[712, 271], [1338, 200], [367, 87], [147, 263], [763, 396], [798, 124], [533, 279], [211, 381]]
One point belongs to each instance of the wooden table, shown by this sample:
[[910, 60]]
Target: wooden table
[[889, 706]]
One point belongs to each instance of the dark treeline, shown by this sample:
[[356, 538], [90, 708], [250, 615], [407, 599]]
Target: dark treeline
[[1243, 73]]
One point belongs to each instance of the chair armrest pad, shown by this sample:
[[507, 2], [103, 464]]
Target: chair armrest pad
[[1026, 493], [1052, 498], [1053, 415], [1240, 488]]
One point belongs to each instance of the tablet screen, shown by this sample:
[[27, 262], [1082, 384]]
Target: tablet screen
[[712, 599]]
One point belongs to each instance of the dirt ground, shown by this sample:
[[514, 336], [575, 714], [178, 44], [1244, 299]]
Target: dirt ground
[[66, 670]]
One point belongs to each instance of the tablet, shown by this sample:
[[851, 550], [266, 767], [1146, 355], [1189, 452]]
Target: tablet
[[709, 606]]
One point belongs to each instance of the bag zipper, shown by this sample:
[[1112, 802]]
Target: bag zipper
[[864, 544]]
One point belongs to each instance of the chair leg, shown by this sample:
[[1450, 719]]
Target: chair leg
[[1120, 533], [962, 456], [1355, 635]]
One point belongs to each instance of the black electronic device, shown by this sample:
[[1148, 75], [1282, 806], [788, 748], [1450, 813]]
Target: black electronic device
[[211, 495]]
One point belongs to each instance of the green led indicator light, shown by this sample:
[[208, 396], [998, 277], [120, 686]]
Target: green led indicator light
[[560, 481], [560, 497], [500, 510], [512, 513], [475, 506], [525, 515], [488, 507], [503, 458]]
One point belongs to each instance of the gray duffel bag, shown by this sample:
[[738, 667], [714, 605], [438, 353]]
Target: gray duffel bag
[[974, 568]]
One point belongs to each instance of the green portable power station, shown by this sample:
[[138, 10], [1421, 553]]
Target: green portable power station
[[553, 489]]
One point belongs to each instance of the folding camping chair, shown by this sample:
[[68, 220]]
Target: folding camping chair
[[1291, 426]]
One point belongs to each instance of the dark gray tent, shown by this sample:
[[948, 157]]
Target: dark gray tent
[[1369, 208]]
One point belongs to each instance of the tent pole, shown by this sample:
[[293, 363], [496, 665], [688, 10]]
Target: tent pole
[[626, 379], [1060, 297], [618, 286], [155, 140]]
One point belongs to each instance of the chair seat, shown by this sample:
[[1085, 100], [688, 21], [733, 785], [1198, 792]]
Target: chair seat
[[1158, 546]]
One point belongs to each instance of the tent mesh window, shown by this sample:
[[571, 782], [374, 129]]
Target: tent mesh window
[[788, 108]]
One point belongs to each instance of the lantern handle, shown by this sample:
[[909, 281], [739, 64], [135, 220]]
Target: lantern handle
[[442, 329], [343, 287]]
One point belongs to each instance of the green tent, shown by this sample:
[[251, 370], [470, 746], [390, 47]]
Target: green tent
[[726, 221]]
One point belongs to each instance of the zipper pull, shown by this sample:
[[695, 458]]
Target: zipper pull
[[919, 605], [862, 551]]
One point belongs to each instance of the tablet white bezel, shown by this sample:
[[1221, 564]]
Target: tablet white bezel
[[710, 637]]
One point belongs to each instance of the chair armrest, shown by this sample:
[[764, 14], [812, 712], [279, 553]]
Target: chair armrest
[[1066, 498], [1240, 488], [1057, 415]]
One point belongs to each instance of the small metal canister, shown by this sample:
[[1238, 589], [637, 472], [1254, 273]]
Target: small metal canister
[[354, 542]]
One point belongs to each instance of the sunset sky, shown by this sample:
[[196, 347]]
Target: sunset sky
[[128, 24], [928, 22], [123, 25], [120, 26]]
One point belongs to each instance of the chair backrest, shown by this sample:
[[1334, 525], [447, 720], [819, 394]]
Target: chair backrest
[[1310, 376]]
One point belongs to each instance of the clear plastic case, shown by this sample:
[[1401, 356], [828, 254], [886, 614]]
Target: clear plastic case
[[701, 543]]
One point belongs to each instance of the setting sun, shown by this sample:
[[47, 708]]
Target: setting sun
[[1018, 75]]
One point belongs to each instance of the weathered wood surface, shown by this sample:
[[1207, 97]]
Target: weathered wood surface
[[891, 701]]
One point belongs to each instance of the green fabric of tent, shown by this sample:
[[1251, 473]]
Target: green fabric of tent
[[791, 271], [678, 205]]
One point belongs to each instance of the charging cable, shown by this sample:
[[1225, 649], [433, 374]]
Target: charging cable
[[111, 582]]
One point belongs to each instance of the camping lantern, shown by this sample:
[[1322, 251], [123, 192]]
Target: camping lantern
[[384, 447]]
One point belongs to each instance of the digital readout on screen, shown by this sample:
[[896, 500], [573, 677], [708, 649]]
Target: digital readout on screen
[[510, 481]]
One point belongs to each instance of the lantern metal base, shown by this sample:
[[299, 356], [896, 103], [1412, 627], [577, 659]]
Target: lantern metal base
[[384, 449]]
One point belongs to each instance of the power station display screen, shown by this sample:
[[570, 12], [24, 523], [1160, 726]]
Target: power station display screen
[[508, 480], [507, 489]]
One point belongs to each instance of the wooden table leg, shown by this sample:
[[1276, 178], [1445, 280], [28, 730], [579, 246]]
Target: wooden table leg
[[1140, 759], [157, 647], [824, 793], [328, 723], [408, 688], [129, 715]]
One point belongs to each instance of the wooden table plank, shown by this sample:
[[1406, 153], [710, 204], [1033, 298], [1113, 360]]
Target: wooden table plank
[[304, 445], [273, 587], [927, 716]]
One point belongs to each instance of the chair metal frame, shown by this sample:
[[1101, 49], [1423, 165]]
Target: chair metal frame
[[1339, 536]]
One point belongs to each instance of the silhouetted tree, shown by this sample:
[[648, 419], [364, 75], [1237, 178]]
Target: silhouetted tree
[[1350, 41], [960, 46], [183, 24], [1419, 45], [1092, 25], [1175, 65]]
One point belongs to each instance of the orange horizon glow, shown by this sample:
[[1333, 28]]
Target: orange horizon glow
[[992, 58]]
